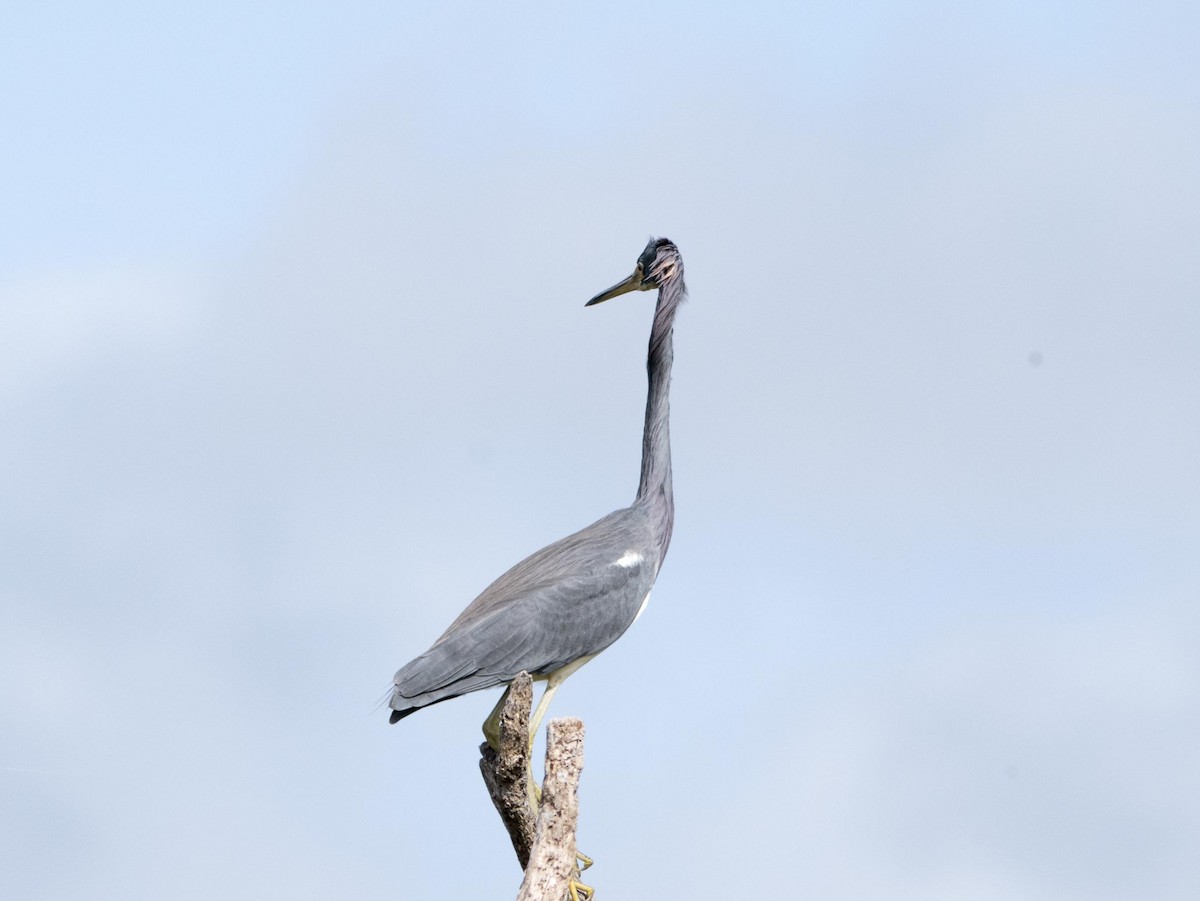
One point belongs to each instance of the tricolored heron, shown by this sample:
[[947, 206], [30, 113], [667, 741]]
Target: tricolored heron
[[557, 609]]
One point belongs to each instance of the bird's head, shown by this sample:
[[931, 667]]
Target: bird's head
[[659, 264]]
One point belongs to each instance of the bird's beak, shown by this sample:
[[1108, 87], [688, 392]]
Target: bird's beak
[[633, 283]]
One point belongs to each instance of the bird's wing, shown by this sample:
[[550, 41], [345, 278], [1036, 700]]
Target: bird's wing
[[586, 553], [569, 600]]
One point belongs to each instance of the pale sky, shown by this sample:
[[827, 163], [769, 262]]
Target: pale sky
[[294, 361]]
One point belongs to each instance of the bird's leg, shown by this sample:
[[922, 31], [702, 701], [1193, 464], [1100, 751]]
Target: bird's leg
[[491, 726], [535, 721]]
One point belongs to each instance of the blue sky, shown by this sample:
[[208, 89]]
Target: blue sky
[[293, 362]]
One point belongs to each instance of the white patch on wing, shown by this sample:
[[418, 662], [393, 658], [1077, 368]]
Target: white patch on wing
[[630, 559], [642, 609]]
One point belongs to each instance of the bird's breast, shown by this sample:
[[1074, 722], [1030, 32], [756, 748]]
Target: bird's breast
[[642, 608]]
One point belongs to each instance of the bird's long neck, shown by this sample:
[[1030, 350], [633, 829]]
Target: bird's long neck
[[654, 490]]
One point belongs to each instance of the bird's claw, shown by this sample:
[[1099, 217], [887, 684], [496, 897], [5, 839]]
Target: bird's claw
[[579, 891]]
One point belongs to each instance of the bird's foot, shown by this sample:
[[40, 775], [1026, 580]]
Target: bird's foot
[[579, 891]]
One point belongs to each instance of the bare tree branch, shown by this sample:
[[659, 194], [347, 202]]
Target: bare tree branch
[[543, 836], [552, 868], [506, 772]]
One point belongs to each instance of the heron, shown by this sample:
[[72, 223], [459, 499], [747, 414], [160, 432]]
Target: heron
[[561, 606]]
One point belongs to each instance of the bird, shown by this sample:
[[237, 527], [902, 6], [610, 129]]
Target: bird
[[561, 606]]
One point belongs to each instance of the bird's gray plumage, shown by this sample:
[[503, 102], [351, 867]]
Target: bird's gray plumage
[[574, 598]]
